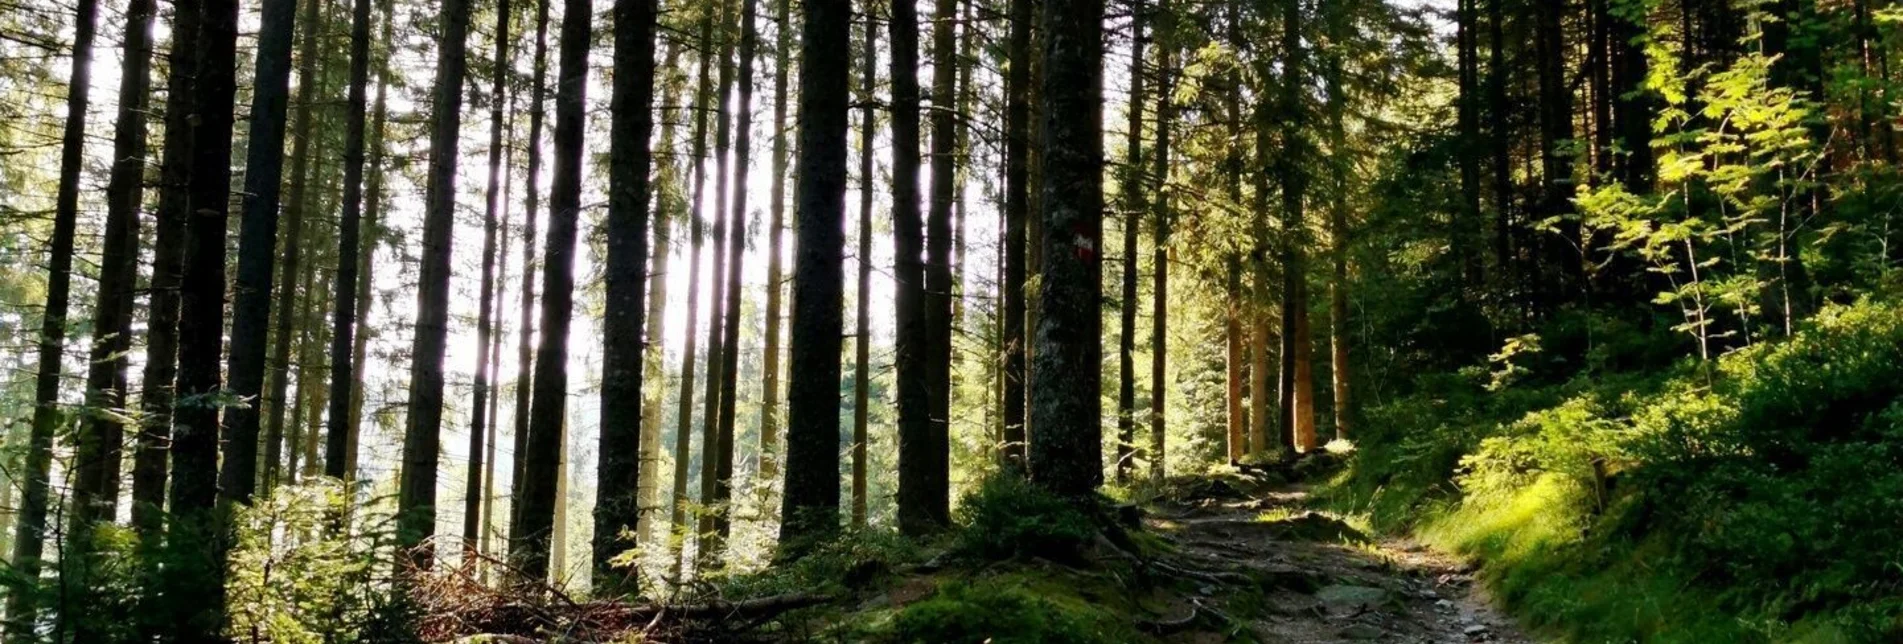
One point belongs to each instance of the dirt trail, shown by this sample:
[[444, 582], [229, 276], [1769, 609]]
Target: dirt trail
[[1330, 582]]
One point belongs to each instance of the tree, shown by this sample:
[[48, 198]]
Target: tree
[[257, 234], [776, 232], [1066, 449], [293, 257], [198, 536], [1298, 404], [737, 250], [532, 203], [862, 347], [1159, 335], [913, 344], [935, 490], [683, 436], [372, 208], [1134, 206], [809, 508], [1017, 191], [31, 525], [534, 526], [416, 499], [706, 529], [345, 359], [479, 417], [617, 507]]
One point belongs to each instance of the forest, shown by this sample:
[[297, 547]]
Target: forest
[[1068, 321]]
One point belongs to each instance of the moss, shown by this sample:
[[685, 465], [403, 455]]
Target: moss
[[1015, 608]]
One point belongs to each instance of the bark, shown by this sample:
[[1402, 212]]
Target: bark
[[295, 204], [1469, 147], [913, 339], [1556, 166], [344, 361], [736, 251], [96, 473], [1160, 315], [1261, 440], [1634, 105], [617, 505], [1240, 304], [1134, 206], [485, 312], [149, 467], [31, 524], [536, 525], [1500, 139], [257, 234], [525, 357], [667, 206], [810, 504], [710, 421], [683, 435], [935, 495], [768, 466], [862, 348], [1066, 448], [198, 534], [1297, 351], [1016, 214], [373, 206]]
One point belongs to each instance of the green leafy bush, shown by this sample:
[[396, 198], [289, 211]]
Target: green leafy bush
[[1004, 613], [1007, 517]]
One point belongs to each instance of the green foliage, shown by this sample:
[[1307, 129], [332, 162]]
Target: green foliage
[[1752, 499], [1006, 610], [293, 577], [1008, 517]]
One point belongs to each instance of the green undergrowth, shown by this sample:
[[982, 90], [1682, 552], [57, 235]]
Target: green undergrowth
[[1758, 497]]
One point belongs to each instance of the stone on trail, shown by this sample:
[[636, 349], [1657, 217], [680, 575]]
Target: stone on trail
[[1350, 599], [1360, 631]]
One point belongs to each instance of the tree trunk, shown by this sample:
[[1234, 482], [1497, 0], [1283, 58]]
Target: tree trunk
[[1160, 315], [710, 421], [1016, 214], [1066, 448], [1297, 358], [295, 203], [1241, 310], [198, 531], [1633, 106], [1469, 148], [737, 250], [536, 524], [524, 357], [416, 498], [98, 458], [1556, 166], [486, 314], [1133, 208], [810, 504], [1500, 139], [667, 205], [683, 436], [372, 229], [344, 359], [31, 525], [935, 494], [862, 347], [768, 467], [617, 504], [913, 339]]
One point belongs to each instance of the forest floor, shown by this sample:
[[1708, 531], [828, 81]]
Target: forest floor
[[1331, 582]]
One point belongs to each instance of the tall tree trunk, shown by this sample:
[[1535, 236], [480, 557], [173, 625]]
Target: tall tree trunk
[[666, 207], [149, 466], [1297, 351], [547, 415], [1241, 314], [913, 340], [524, 357], [1066, 447], [416, 497], [1133, 208], [1500, 139], [295, 203], [736, 252], [710, 421], [485, 311], [1260, 371], [936, 493], [258, 233], [198, 533], [1016, 215], [1469, 217], [97, 461], [344, 359], [1336, 22], [683, 436], [810, 504], [372, 228], [31, 525], [862, 347], [1556, 128], [1160, 315], [617, 505], [1633, 105], [768, 467]]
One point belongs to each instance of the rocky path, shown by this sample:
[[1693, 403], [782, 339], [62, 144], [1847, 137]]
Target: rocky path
[[1329, 582]]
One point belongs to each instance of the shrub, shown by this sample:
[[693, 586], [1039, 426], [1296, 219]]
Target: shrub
[[1007, 517], [998, 611]]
